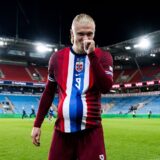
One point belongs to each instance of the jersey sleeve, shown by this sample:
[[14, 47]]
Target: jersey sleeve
[[51, 67], [47, 96], [102, 68], [107, 64]]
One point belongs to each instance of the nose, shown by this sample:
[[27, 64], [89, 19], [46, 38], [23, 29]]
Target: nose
[[85, 37]]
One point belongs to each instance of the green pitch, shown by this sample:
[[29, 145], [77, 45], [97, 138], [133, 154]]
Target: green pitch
[[126, 139]]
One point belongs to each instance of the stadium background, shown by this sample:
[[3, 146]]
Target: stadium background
[[129, 133], [23, 73]]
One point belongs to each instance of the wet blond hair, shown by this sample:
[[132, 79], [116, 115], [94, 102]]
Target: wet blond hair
[[82, 18]]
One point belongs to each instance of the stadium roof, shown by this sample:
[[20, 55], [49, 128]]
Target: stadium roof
[[130, 52], [24, 52], [127, 53]]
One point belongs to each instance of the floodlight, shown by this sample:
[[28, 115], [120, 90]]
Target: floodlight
[[127, 47], [43, 48], [143, 43]]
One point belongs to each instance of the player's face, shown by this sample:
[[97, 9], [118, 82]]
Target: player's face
[[81, 32]]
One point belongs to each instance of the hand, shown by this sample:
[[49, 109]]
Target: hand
[[89, 46], [35, 134]]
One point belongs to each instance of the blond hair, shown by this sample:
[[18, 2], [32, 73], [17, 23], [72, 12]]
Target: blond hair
[[83, 18]]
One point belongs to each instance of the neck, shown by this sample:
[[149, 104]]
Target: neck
[[77, 51]]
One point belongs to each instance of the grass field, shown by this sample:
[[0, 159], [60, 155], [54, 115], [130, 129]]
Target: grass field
[[126, 139]]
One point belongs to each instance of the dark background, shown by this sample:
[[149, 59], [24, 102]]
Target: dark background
[[50, 21]]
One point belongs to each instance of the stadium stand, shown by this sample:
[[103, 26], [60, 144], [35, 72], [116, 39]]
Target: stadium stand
[[18, 102], [23, 73], [14, 72], [125, 104], [43, 72], [133, 75]]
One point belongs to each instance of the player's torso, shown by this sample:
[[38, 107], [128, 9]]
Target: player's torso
[[79, 100]]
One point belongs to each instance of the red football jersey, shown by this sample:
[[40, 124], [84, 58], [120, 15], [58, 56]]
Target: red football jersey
[[81, 79]]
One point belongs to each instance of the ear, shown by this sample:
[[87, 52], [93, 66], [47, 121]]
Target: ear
[[72, 37]]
